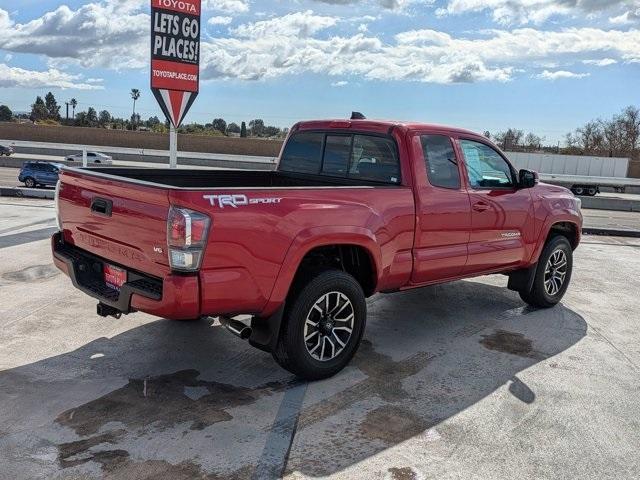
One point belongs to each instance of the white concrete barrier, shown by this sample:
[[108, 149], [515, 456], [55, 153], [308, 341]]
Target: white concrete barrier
[[141, 151]]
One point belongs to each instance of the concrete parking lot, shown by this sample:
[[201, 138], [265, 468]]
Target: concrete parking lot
[[453, 381]]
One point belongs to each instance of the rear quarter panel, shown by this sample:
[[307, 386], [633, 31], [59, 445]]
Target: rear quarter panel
[[254, 250]]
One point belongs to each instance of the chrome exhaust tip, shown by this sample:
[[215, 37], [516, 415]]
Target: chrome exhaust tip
[[236, 327]]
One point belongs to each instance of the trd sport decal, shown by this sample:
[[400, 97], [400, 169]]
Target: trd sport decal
[[235, 201]]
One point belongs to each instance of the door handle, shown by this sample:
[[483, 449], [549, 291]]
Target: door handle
[[481, 207]]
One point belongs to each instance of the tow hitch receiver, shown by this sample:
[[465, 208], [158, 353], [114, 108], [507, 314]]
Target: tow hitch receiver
[[107, 311]]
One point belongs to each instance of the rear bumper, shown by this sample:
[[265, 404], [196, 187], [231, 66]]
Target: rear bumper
[[175, 297]]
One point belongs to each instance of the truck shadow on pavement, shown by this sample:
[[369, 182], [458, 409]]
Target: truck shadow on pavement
[[170, 400]]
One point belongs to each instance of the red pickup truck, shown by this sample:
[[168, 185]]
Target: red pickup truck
[[355, 207]]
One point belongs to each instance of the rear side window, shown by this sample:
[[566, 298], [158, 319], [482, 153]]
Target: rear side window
[[337, 153], [375, 158], [361, 157], [303, 153], [442, 167]]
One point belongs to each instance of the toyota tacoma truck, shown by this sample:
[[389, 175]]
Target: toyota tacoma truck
[[355, 207]]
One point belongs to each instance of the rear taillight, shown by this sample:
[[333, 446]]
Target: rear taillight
[[187, 237], [57, 205]]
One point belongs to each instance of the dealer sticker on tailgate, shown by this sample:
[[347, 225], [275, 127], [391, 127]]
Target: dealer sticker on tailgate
[[114, 277]]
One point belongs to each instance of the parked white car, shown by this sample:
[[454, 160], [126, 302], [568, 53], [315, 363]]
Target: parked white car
[[93, 158]]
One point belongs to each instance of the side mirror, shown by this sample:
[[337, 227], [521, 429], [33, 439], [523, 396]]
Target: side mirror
[[527, 179]]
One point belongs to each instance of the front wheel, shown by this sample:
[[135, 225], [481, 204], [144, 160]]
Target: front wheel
[[322, 326], [553, 274]]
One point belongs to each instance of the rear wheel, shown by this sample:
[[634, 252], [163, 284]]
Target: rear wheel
[[578, 190], [322, 326], [592, 191], [553, 274], [30, 182]]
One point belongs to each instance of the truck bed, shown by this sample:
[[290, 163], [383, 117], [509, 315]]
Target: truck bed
[[198, 179]]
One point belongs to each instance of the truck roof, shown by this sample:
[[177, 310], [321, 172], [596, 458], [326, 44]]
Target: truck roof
[[381, 126]]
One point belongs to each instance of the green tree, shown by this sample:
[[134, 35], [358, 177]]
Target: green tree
[[38, 110], [134, 121], [243, 130], [104, 118], [81, 119], [92, 117], [74, 103], [5, 114], [153, 122], [272, 131], [257, 127], [53, 109], [220, 125], [233, 128]]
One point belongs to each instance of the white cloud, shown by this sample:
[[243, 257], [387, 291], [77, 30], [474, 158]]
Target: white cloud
[[227, 6], [602, 62], [558, 74], [341, 83], [220, 20], [392, 5], [299, 25], [52, 78], [631, 16], [96, 34], [532, 11], [305, 42], [268, 51]]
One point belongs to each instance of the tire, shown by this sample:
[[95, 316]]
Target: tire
[[546, 291], [592, 191], [30, 182], [578, 190], [313, 360]]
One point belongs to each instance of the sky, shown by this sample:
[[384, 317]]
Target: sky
[[546, 66]]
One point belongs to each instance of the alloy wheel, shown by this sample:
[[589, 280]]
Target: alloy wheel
[[328, 326], [555, 272]]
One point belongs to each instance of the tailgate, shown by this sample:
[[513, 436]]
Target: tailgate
[[116, 220]]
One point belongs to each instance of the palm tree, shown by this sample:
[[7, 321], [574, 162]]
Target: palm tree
[[74, 103], [135, 94]]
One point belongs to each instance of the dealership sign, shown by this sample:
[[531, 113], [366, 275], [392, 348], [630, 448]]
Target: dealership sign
[[175, 55]]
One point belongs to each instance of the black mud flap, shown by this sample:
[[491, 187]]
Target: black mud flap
[[265, 331], [522, 280]]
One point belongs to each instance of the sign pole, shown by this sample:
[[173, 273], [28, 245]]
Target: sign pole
[[173, 147]]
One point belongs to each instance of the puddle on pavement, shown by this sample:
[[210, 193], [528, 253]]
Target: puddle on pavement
[[512, 343], [384, 380], [32, 274], [392, 424], [152, 405], [162, 402], [402, 473]]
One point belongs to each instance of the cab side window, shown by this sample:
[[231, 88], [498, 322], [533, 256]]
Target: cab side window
[[303, 153], [485, 167], [374, 158], [442, 166]]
